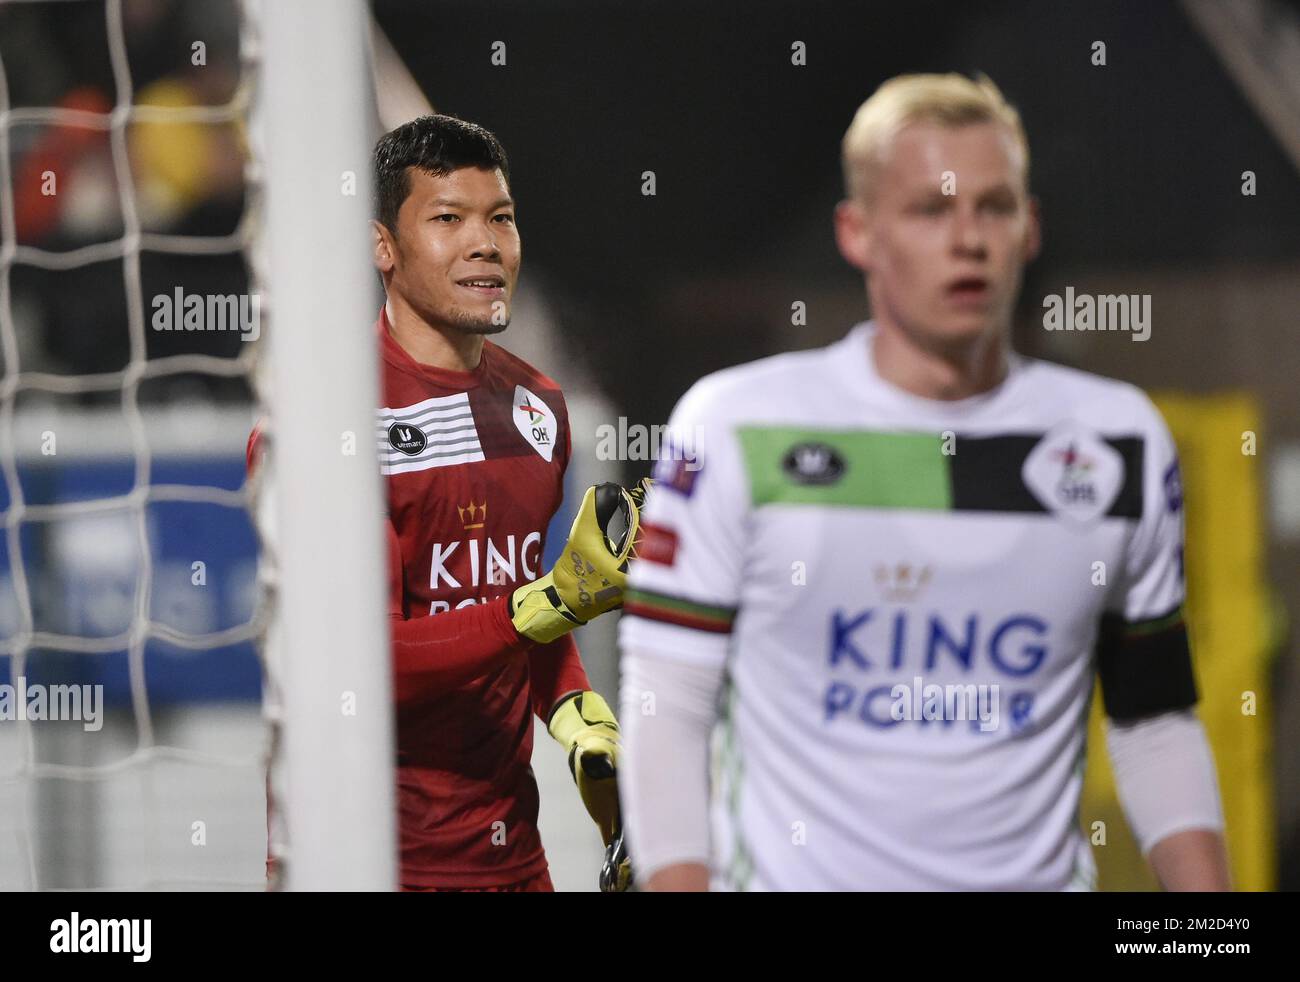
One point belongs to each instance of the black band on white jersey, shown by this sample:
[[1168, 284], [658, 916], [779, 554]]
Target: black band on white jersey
[[1145, 666]]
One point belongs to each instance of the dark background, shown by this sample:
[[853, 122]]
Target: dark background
[[1137, 162], [1138, 166]]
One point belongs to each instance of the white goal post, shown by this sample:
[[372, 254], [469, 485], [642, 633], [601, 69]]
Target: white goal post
[[313, 124]]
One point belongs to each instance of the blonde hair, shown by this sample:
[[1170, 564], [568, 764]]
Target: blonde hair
[[949, 100]]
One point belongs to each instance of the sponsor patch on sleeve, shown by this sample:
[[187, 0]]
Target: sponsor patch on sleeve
[[677, 470], [657, 544]]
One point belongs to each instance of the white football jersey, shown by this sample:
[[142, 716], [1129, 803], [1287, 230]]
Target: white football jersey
[[910, 598]]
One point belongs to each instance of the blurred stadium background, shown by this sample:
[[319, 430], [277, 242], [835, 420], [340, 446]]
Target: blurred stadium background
[[627, 298]]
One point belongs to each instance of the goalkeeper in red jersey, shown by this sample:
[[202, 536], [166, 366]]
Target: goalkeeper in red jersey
[[474, 443]]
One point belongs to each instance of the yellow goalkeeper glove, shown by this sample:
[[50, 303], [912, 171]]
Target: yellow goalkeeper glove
[[592, 572], [586, 728]]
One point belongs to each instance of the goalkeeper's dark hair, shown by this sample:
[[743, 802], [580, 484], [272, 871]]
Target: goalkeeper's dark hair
[[436, 145]]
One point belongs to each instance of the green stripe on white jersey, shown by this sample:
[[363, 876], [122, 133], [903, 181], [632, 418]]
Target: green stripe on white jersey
[[917, 588]]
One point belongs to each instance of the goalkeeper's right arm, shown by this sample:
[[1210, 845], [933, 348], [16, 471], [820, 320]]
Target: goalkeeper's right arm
[[436, 654], [591, 574]]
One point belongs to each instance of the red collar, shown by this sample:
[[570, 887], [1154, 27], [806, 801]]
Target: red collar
[[399, 358]]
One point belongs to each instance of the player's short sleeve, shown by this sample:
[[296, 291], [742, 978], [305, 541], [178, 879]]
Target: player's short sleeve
[[685, 584], [1144, 660]]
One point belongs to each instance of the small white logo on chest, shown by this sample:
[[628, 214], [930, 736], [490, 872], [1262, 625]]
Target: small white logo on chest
[[535, 422], [1074, 473]]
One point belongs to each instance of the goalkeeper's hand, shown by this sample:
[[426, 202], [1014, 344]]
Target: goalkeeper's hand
[[586, 728], [592, 572]]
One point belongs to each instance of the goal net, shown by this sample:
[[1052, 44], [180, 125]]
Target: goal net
[[183, 195]]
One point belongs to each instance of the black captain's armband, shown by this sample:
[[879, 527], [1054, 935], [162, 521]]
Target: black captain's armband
[[1145, 666]]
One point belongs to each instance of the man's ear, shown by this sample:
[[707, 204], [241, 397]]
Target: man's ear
[[385, 247], [853, 234], [1034, 232]]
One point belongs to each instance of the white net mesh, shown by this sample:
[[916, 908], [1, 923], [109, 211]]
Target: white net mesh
[[120, 509]]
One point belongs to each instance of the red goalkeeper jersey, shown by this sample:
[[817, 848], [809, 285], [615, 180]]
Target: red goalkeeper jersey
[[474, 465]]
